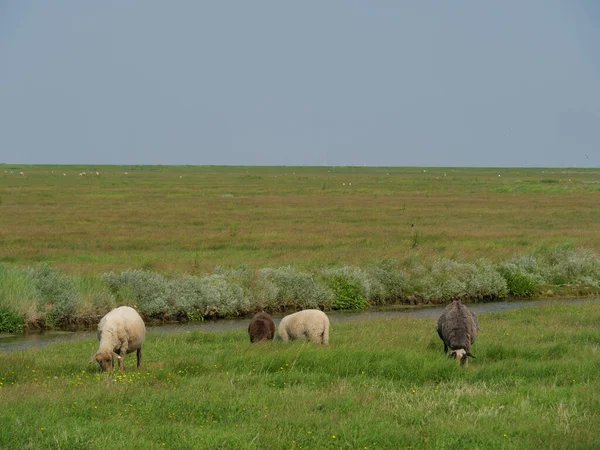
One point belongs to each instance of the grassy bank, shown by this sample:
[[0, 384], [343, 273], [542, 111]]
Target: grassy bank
[[43, 297], [191, 219], [379, 384]]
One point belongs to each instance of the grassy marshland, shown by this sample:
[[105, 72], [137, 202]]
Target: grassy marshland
[[190, 219], [185, 242], [379, 384]]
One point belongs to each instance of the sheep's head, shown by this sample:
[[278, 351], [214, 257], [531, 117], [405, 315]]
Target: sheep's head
[[461, 355], [105, 359]]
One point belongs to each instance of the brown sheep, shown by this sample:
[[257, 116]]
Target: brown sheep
[[261, 328]]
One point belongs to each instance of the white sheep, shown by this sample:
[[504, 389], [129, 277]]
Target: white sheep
[[121, 331], [312, 324]]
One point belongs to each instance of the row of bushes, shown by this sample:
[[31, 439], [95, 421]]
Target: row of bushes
[[46, 298]]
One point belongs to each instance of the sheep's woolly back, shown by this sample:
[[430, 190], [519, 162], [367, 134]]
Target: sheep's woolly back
[[457, 326], [261, 328], [121, 331], [312, 324]]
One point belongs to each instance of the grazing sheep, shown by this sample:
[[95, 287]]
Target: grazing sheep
[[310, 323], [261, 328], [121, 331], [457, 328]]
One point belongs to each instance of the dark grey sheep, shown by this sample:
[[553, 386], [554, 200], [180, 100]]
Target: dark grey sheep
[[457, 328], [261, 328]]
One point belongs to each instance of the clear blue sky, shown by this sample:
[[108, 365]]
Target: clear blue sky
[[435, 83]]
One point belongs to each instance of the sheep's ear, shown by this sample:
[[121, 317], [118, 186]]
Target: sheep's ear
[[94, 358], [472, 356], [115, 355]]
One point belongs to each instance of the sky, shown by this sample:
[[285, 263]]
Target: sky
[[339, 82]]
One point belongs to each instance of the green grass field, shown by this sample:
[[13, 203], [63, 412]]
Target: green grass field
[[381, 384], [191, 219]]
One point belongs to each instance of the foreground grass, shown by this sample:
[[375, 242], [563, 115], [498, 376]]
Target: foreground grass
[[380, 384]]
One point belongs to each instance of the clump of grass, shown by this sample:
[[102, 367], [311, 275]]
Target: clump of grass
[[10, 320], [16, 298], [95, 299], [416, 239]]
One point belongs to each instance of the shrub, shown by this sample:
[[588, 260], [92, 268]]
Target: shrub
[[571, 266], [57, 296], [146, 291], [221, 298], [350, 287], [518, 282], [387, 282], [263, 292], [187, 292], [445, 281], [484, 282], [449, 280], [209, 296], [532, 265], [296, 289]]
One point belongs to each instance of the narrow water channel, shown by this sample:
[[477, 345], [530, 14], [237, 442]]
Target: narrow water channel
[[13, 342]]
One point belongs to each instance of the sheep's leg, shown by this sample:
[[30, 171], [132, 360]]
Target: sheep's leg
[[122, 353], [445, 348], [139, 357]]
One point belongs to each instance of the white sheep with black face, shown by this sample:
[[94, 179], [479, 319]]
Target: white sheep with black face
[[121, 331], [458, 328], [312, 324]]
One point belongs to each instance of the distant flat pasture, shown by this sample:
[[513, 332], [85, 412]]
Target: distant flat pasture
[[193, 218]]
